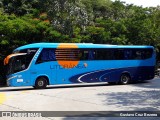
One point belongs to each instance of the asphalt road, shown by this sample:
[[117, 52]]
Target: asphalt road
[[144, 96]]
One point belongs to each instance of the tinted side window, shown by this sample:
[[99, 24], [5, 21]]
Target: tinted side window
[[87, 54], [104, 54], [119, 54], [132, 54], [46, 55], [75, 54], [128, 54], [142, 53], [68, 54], [148, 53]]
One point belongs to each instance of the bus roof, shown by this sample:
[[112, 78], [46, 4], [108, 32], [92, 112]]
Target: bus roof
[[79, 45]]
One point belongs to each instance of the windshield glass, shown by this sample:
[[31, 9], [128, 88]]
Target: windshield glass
[[20, 62], [16, 64]]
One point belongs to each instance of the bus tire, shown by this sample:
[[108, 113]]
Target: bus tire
[[41, 83], [125, 79]]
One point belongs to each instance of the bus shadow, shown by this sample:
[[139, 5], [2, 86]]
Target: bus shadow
[[142, 99], [146, 100], [139, 84], [5, 89], [15, 89], [154, 83], [77, 86]]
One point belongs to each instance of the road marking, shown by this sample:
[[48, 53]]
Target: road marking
[[24, 91], [2, 98]]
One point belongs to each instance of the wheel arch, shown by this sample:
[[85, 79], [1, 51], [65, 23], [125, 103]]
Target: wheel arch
[[45, 76], [127, 73]]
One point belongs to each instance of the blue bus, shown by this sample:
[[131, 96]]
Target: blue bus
[[42, 64]]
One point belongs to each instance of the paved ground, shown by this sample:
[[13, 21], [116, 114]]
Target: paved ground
[[134, 97]]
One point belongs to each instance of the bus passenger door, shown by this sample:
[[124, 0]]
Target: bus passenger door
[[45, 66]]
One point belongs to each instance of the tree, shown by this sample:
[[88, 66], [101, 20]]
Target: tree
[[21, 7], [141, 28], [65, 14], [97, 9], [155, 24]]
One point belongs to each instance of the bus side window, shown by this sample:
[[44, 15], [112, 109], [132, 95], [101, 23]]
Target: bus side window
[[148, 53], [128, 54], [46, 55], [91, 55], [104, 54], [119, 54], [109, 55], [74, 54], [140, 54], [84, 55]]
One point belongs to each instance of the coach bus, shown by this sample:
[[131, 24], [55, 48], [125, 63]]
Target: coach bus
[[42, 64]]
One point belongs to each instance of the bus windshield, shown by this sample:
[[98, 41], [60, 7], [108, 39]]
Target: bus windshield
[[19, 61], [17, 64]]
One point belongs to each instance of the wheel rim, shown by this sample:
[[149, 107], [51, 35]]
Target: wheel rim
[[40, 83], [124, 79]]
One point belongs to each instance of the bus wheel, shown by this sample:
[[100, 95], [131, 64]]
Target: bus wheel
[[124, 79], [41, 83]]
